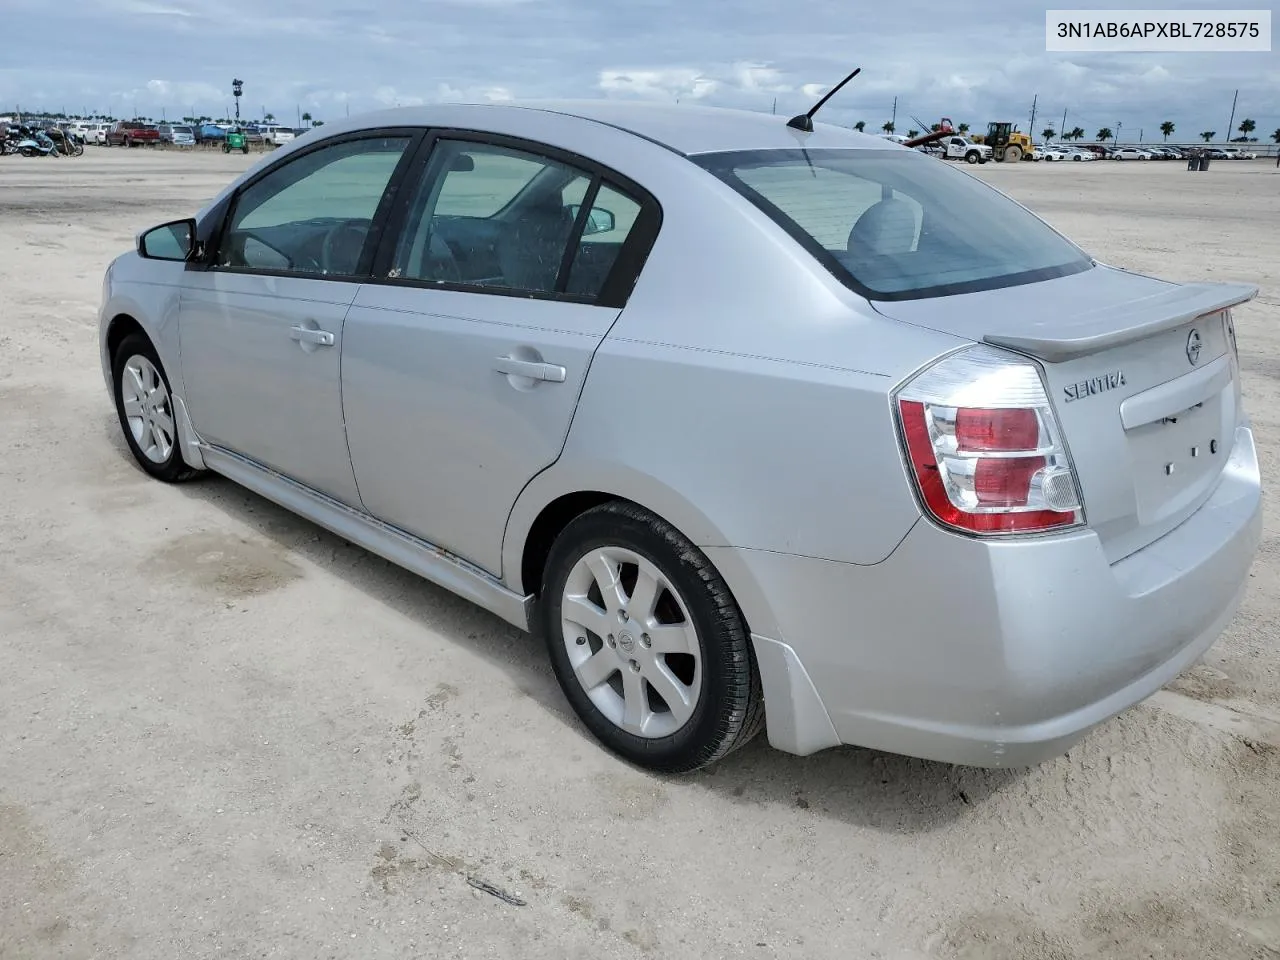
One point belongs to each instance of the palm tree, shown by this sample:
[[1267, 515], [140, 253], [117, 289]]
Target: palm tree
[[1104, 135], [269, 117], [317, 123], [860, 126], [912, 134], [1208, 135], [1077, 133], [962, 129], [1048, 133], [1167, 128], [1276, 136], [306, 118], [1247, 127], [888, 126]]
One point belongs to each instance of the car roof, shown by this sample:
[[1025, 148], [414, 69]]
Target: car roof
[[687, 129]]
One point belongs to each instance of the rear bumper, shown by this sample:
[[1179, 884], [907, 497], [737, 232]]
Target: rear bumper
[[997, 654]]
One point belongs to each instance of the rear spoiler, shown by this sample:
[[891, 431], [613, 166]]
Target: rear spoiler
[[1122, 322]]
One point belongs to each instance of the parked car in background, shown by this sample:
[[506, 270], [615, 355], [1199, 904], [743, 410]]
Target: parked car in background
[[180, 135], [131, 133], [276, 134], [1130, 153], [757, 428]]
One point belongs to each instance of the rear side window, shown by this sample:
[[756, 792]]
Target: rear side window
[[898, 225], [501, 219]]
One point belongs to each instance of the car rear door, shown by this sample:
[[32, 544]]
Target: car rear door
[[261, 321], [464, 358]]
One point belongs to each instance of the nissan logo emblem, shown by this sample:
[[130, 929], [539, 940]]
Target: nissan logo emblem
[[1193, 347]]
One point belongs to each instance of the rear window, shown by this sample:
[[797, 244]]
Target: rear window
[[896, 224]]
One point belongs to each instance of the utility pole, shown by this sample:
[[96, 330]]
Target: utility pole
[[1233, 115], [1119, 126], [775, 104], [894, 118], [1031, 131], [1062, 133]]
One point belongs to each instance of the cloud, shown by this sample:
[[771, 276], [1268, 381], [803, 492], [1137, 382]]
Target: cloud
[[664, 83], [932, 58]]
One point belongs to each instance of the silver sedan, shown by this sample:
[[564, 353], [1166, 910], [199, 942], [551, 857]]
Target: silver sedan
[[762, 428]]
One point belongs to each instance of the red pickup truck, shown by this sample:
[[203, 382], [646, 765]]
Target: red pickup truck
[[130, 133]]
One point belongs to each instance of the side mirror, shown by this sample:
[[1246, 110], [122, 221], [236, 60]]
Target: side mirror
[[169, 241], [599, 220]]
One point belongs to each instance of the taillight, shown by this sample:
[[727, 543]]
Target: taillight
[[984, 448]]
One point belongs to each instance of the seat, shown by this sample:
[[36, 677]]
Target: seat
[[533, 247], [885, 229]]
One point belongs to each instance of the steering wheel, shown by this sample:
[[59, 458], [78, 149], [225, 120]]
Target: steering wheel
[[332, 247]]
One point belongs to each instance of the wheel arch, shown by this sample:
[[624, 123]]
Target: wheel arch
[[563, 492], [796, 721]]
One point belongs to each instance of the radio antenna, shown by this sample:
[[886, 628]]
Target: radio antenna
[[804, 121]]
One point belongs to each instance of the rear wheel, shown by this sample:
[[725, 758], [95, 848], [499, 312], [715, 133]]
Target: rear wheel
[[144, 404], [647, 643]]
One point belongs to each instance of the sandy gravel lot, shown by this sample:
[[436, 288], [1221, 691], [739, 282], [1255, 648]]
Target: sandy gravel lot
[[225, 733]]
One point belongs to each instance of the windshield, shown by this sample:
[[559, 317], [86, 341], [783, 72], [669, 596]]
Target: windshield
[[898, 225]]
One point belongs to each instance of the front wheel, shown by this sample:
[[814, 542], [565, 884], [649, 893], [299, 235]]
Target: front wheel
[[144, 404], [244, 149], [972, 156], [647, 643], [1013, 154]]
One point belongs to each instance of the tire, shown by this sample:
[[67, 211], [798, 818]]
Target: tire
[[245, 148], [1013, 154], [160, 459], [972, 156], [718, 684]]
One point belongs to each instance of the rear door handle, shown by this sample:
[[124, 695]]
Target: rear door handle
[[311, 335], [532, 369]]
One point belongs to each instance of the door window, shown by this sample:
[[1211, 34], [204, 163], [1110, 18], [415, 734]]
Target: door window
[[499, 218], [313, 214]]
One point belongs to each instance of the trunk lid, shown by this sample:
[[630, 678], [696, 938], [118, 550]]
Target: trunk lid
[[1143, 378]]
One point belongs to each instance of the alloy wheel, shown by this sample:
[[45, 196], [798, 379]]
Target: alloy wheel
[[631, 642], [148, 409]]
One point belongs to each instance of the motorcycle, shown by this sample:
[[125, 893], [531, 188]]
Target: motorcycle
[[66, 144], [38, 145]]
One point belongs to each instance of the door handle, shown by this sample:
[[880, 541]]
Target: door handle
[[533, 369], [311, 335]]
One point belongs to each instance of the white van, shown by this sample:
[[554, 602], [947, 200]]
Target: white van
[[275, 133]]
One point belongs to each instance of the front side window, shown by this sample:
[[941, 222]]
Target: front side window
[[500, 218], [898, 224], [313, 214]]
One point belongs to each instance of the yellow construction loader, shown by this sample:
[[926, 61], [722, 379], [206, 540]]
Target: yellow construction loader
[[1007, 143]]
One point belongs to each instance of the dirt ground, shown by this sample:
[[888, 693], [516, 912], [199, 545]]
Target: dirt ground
[[225, 733]]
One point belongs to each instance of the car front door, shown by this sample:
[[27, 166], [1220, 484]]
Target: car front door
[[464, 358], [261, 319]]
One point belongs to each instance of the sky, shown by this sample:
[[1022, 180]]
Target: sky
[[331, 57]]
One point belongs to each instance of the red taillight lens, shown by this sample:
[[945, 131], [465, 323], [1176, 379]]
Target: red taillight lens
[[979, 430], [1005, 482], [983, 446]]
